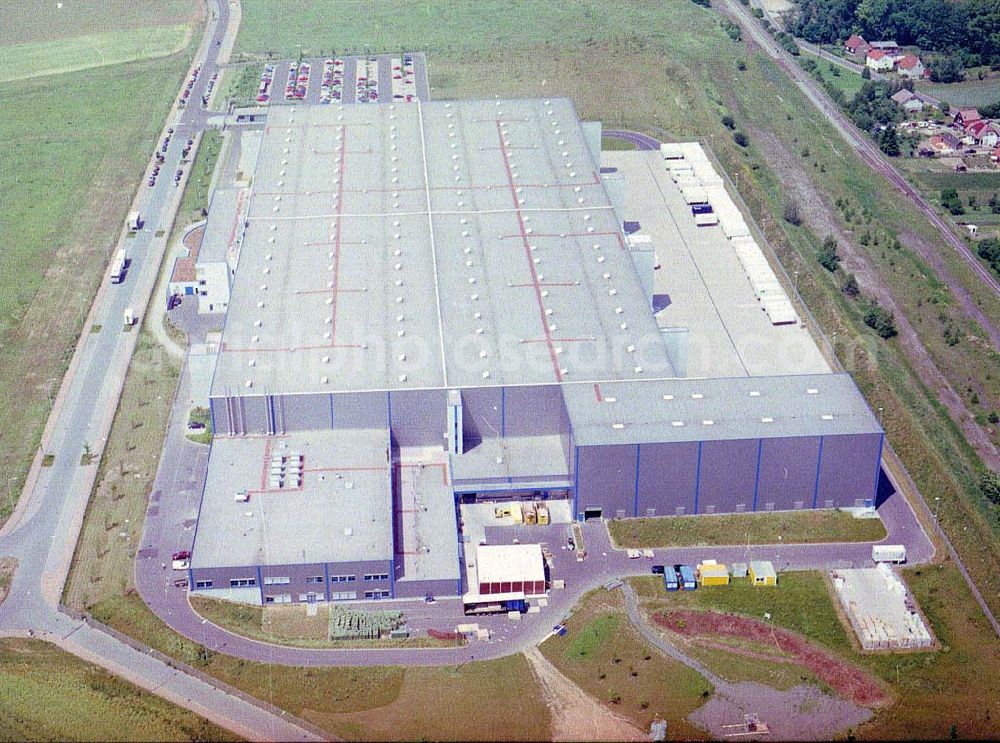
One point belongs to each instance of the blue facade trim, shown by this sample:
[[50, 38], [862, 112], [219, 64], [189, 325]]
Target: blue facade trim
[[326, 580], [878, 467], [260, 584], [576, 484], [697, 478], [332, 419], [819, 463], [756, 482], [273, 418], [503, 411], [635, 500]]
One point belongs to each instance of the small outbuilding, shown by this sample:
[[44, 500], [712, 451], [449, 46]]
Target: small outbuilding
[[762, 573], [712, 573]]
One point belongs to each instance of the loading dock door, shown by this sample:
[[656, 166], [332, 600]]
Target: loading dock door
[[591, 512]]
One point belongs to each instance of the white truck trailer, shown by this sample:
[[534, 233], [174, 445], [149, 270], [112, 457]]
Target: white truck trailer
[[134, 221], [895, 553], [119, 267]]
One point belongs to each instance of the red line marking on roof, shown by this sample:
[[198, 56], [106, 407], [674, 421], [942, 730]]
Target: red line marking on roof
[[482, 187], [346, 469], [527, 254], [545, 284], [339, 235], [567, 234], [327, 291], [597, 392], [294, 193], [557, 340]]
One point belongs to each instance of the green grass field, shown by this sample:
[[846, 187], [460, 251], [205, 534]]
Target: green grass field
[[24, 23], [958, 684], [606, 657], [20, 61], [371, 703], [847, 82], [48, 694], [758, 528]]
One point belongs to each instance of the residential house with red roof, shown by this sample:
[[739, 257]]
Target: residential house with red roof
[[910, 66]]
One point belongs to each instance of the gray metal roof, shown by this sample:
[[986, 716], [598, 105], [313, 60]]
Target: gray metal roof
[[442, 244], [221, 228], [346, 488], [674, 410]]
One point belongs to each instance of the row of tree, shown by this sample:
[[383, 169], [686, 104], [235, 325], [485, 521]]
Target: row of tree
[[968, 30]]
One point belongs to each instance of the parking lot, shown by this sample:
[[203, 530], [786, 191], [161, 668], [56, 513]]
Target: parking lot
[[379, 78]]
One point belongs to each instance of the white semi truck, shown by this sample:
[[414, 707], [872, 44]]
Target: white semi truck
[[119, 267]]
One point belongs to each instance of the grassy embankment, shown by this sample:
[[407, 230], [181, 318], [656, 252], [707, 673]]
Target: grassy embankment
[[959, 684], [788, 527], [51, 695], [290, 625], [75, 147], [846, 81]]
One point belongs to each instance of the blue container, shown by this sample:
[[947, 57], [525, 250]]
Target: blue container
[[670, 581], [688, 582]]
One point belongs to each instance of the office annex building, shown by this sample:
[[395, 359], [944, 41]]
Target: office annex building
[[437, 303]]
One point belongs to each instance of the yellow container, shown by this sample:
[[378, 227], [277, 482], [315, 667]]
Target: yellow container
[[543, 516], [713, 575], [515, 512]]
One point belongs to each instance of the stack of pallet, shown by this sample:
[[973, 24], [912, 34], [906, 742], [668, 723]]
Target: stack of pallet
[[351, 624]]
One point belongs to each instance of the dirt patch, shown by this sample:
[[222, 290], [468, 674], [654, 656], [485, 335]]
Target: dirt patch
[[192, 240], [575, 714], [848, 681], [7, 567]]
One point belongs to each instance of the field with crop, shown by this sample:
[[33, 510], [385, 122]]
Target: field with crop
[[956, 685], [51, 695], [75, 146], [757, 528], [24, 23], [966, 93], [56, 56]]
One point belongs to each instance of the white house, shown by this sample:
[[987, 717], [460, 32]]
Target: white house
[[880, 61]]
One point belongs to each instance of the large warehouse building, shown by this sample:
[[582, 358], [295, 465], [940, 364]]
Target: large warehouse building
[[435, 303]]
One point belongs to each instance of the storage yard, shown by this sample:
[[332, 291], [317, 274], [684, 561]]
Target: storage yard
[[545, 367], [882, 612]]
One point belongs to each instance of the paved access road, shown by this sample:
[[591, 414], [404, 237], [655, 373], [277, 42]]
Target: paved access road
[[44, 529], [871, 155]]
